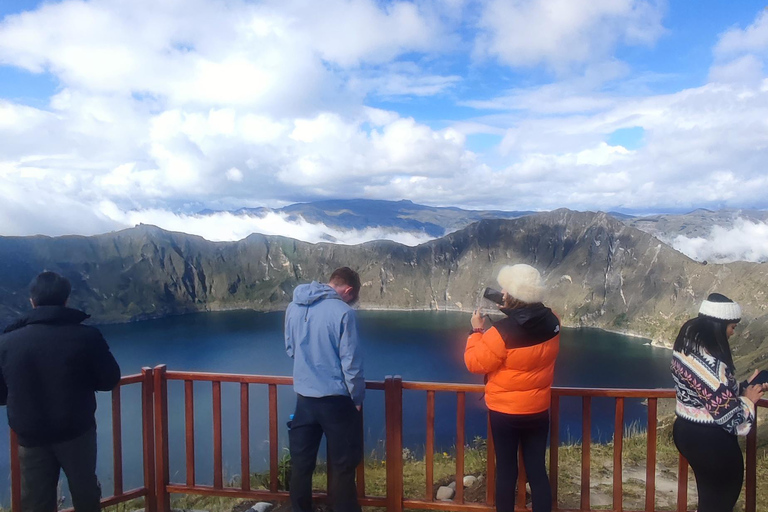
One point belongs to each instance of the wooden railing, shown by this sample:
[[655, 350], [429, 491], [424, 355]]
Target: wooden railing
[[119, 495], [165, 487], [158, 486]]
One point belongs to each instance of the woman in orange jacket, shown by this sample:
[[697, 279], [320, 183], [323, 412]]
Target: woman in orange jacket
[[517, 356]]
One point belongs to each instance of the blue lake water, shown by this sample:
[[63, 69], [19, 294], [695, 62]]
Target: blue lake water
[[419, 346]]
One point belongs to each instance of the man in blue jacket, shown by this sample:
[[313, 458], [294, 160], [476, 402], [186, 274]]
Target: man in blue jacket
[[50, 367], [321, 337]]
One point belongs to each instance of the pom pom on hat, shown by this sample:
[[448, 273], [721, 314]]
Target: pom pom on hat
[[521, 281], [720, 307]]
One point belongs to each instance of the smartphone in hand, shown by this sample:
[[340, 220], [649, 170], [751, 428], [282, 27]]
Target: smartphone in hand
[[761, 378], [494, 296]]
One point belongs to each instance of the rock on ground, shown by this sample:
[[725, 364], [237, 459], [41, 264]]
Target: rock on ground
[[444, 493]]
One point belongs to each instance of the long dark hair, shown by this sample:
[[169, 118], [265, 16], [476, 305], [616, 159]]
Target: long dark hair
[[707, 333]]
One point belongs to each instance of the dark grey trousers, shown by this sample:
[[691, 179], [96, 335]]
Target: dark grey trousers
[[337, 418], [40, 467]]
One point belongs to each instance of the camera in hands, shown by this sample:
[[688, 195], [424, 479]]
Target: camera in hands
[[494, 296]]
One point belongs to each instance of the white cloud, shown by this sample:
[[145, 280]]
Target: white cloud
[[745, 241], [740, 54], [565, 33], [747, 69], [180, 105], [272, 55], [188, 102], [225, 226], [397, 79], [753, 39], [234, 174]]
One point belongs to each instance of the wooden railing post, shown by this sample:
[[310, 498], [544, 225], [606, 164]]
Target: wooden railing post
[[218, 473], [554, 446], [162, 473], [117, 442], [750, 504], [429, 452], [682, 484], [650, 463], [618, 446], [586, 443], [393, 400], [189, 430], [15, 474], [460, 439], [148, 437], [245, 439]]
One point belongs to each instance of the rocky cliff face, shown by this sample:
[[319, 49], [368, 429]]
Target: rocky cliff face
[[600, 272]]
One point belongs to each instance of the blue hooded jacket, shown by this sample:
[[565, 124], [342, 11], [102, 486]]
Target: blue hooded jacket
[[321, 337]]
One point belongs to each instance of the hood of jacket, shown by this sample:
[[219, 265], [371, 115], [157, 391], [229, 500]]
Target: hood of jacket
[[528, 317], [308, 294], [49, 315]]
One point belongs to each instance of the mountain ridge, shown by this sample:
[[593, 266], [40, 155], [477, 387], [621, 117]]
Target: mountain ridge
[[599, 271]]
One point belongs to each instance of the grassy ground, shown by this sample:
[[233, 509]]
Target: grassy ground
[[569, 476]]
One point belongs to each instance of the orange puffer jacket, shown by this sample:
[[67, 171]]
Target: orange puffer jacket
[[517, 355]]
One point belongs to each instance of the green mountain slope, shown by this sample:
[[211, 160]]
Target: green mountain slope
[[600, 272]]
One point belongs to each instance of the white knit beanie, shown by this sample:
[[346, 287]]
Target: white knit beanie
[[521, 281], [720, 307]]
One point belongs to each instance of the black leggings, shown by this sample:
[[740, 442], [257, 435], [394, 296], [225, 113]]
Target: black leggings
[[531, 432], [716, 460]]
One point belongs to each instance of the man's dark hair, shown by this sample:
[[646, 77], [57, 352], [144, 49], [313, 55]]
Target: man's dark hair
[[49, 289], [347, 276]]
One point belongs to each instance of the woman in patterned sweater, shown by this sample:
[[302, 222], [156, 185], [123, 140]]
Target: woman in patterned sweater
[[712, 407]]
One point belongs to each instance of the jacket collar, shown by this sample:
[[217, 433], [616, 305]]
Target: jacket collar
[[523, 315], [49, 315]]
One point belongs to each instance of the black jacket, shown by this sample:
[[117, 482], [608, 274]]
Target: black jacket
[[50, 367]]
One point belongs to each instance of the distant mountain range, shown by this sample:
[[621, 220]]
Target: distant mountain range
[[409, 217], [361, 214], [600, 272], [697, 223]]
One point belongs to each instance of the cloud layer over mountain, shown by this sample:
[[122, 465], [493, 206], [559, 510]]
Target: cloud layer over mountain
[[745, 241], [164, 108]]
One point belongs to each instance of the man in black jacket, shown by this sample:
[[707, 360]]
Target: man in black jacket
[[50, 367]]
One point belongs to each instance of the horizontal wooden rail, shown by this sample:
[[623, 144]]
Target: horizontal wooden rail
[[614, 393], [119, 494], [158, 487], [242, 378], [228, 377], [114, 500]]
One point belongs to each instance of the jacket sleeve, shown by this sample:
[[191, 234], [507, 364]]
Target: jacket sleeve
[[485, 352], [352, 358], [735, 414], [104, 367], [289, 347]]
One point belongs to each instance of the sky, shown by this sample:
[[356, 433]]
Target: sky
[[114, 110]]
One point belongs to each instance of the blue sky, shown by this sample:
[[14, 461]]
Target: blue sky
[[115, 112]]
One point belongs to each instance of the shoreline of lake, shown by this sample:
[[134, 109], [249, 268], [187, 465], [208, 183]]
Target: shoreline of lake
[[445, 309]]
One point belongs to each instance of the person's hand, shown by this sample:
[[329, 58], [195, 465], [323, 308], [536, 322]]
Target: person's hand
[[478, 320], [755, 393], [754, 374], [359, 408]]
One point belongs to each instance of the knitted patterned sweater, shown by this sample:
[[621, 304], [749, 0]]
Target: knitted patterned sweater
[[708, 393]]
